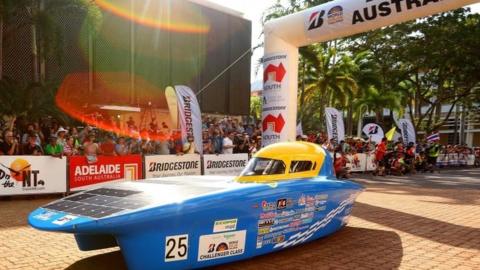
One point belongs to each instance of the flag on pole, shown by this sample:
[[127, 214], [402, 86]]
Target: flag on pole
[[434, 137], [335, 126], [389, 135]]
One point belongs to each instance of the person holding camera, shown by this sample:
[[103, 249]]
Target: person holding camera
[[10, 145]]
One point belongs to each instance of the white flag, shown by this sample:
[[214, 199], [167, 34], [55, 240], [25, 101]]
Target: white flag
[[408, 131], [299, 129], [190, 115], [335, 127], [374, 132]]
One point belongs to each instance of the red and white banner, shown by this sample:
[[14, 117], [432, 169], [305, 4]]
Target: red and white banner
[[275, 99], [224, 164], [84, 175], [24, 175]]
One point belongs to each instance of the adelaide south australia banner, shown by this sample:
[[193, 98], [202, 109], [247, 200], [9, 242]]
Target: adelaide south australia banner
[[22, 175], [106, 169]]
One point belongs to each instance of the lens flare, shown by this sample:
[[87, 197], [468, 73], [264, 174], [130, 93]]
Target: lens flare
[[112, 103], [163, 14]]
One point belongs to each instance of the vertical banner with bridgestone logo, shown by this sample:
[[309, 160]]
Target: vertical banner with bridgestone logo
[[23, 175], [335, 126], [275, 98], [190, 115], [408, 131]]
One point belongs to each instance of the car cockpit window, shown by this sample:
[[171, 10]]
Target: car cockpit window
[[297, 166], [264, 166]]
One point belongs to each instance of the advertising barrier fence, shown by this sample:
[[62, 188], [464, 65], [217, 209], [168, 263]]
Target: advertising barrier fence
[[30, 175], [84, 174], [164, 166], [224, 164]]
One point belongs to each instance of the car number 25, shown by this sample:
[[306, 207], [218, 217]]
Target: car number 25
[[176, 247]]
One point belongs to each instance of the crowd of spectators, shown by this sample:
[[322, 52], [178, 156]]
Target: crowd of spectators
[[220, 135], [48, 137]]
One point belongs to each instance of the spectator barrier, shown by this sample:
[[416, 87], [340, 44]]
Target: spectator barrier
[[224, 164], [30, 175], [84, 174], [164, 166], [455, 159]]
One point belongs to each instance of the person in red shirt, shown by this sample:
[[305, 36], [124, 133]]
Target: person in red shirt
[[340, 166], [379, 157], [108, 147]]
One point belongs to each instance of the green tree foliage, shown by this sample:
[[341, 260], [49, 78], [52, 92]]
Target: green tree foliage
[[425, 64]]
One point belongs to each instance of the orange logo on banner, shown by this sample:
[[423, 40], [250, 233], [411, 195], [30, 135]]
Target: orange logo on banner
[[19, 169]]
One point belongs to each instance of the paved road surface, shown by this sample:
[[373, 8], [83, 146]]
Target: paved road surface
[[422, 221]]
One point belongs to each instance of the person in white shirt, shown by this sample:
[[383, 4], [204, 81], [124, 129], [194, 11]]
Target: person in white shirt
[[228, 143], [189, 147]]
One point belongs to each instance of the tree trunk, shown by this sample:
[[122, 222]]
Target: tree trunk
[[1, 47], [350, 119], [33, 32], [360, 123]]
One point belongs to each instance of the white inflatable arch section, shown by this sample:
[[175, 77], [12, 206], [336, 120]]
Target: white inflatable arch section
[[325, 22]]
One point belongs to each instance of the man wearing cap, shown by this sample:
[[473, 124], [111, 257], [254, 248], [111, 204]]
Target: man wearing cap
[[52, 148], [31, 148]]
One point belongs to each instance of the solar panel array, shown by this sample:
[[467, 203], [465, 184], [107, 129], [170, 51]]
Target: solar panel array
[[129, 196], [100, 202]]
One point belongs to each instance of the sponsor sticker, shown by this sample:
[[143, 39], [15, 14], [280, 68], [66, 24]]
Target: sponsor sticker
[[221, 245], [65, 219], [47, 215], [225, 225]]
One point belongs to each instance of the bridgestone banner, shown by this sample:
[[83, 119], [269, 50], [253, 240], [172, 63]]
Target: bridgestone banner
[[335, 126], [275, 98], [164, 166], [24, 175], [408, 131], [190, 115], [84, 175], [224, 164]]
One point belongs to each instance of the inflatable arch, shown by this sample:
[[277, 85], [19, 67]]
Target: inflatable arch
[[325, 22]]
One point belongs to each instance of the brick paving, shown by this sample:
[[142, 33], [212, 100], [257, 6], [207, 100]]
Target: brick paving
[[425, 221]]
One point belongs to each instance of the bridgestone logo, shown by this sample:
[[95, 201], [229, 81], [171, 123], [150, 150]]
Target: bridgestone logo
[[187, 109], [172, 166], [226, 164], [334, 128]]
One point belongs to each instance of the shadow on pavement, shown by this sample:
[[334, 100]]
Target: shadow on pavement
[[431, 229], [365, 247], [350, 248], [107, 261]]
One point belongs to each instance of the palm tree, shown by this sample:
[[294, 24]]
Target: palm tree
[[374, 100], [326, 81]]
